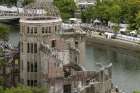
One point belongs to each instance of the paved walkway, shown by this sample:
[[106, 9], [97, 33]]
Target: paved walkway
[[96, 34]]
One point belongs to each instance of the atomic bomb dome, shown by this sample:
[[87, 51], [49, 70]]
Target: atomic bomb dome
[[38, 24]]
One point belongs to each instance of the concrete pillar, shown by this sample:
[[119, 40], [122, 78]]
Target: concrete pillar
[[82, 51]]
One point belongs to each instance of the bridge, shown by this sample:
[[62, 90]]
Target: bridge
[[10, 13], [9, 16]]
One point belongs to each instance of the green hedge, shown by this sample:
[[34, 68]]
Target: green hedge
[[23, 89]]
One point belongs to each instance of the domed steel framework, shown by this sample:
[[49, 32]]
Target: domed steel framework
[[41, 8]]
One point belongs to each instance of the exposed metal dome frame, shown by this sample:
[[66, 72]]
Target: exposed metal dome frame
[[40, 9]]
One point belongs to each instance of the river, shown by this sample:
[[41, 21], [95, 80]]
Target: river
[[14, 35], [126, 65]]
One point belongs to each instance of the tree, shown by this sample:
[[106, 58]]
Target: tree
[[104, 10], [1, 90], [67, 8], [2, 81], [88, 14], [134, 9], [9, 2], [18, 90], [116, 29], [26, 2], [3, 32], [40, 90], [3, 64], [138, 20], [116, 11]]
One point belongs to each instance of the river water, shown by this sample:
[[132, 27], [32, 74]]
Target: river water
[[14, 35], [126, 65]]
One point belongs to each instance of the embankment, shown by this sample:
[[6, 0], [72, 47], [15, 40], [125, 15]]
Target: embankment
[[114, 43]]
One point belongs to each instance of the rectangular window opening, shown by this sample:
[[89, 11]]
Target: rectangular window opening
[[49, 30], [31, 47], [46, 30], [28, 29], [32, 30], [35, 30], [28, 48], [53, 43], [35, 67], [76, 43], [35, 83], [35, 47], [55, 28], [32, 67], [32, 83], [43, 29], [28, 67], [28, 82]]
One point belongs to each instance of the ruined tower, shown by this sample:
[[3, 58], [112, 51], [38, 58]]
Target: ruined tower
[[38, 24], [45, 49]]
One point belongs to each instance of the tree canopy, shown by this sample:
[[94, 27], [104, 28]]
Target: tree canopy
[[26, 2], [3, 32], [67, 8], [9, 2], [117, 11]]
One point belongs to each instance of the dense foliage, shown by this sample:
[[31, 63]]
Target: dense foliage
[[3, 32], [26, 2], [117, 11], [9, 2], [67, 8], [2, 65]]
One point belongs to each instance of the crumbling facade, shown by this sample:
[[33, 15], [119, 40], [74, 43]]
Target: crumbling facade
[[43, 50], [50, 56]]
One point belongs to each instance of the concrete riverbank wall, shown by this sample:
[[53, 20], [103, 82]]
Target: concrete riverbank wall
[[116, 43]]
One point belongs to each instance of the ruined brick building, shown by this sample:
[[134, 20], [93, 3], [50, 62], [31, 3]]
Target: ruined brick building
[[40, 34], [50, 56]]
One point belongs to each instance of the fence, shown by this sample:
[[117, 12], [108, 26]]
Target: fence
[[128, 38]]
